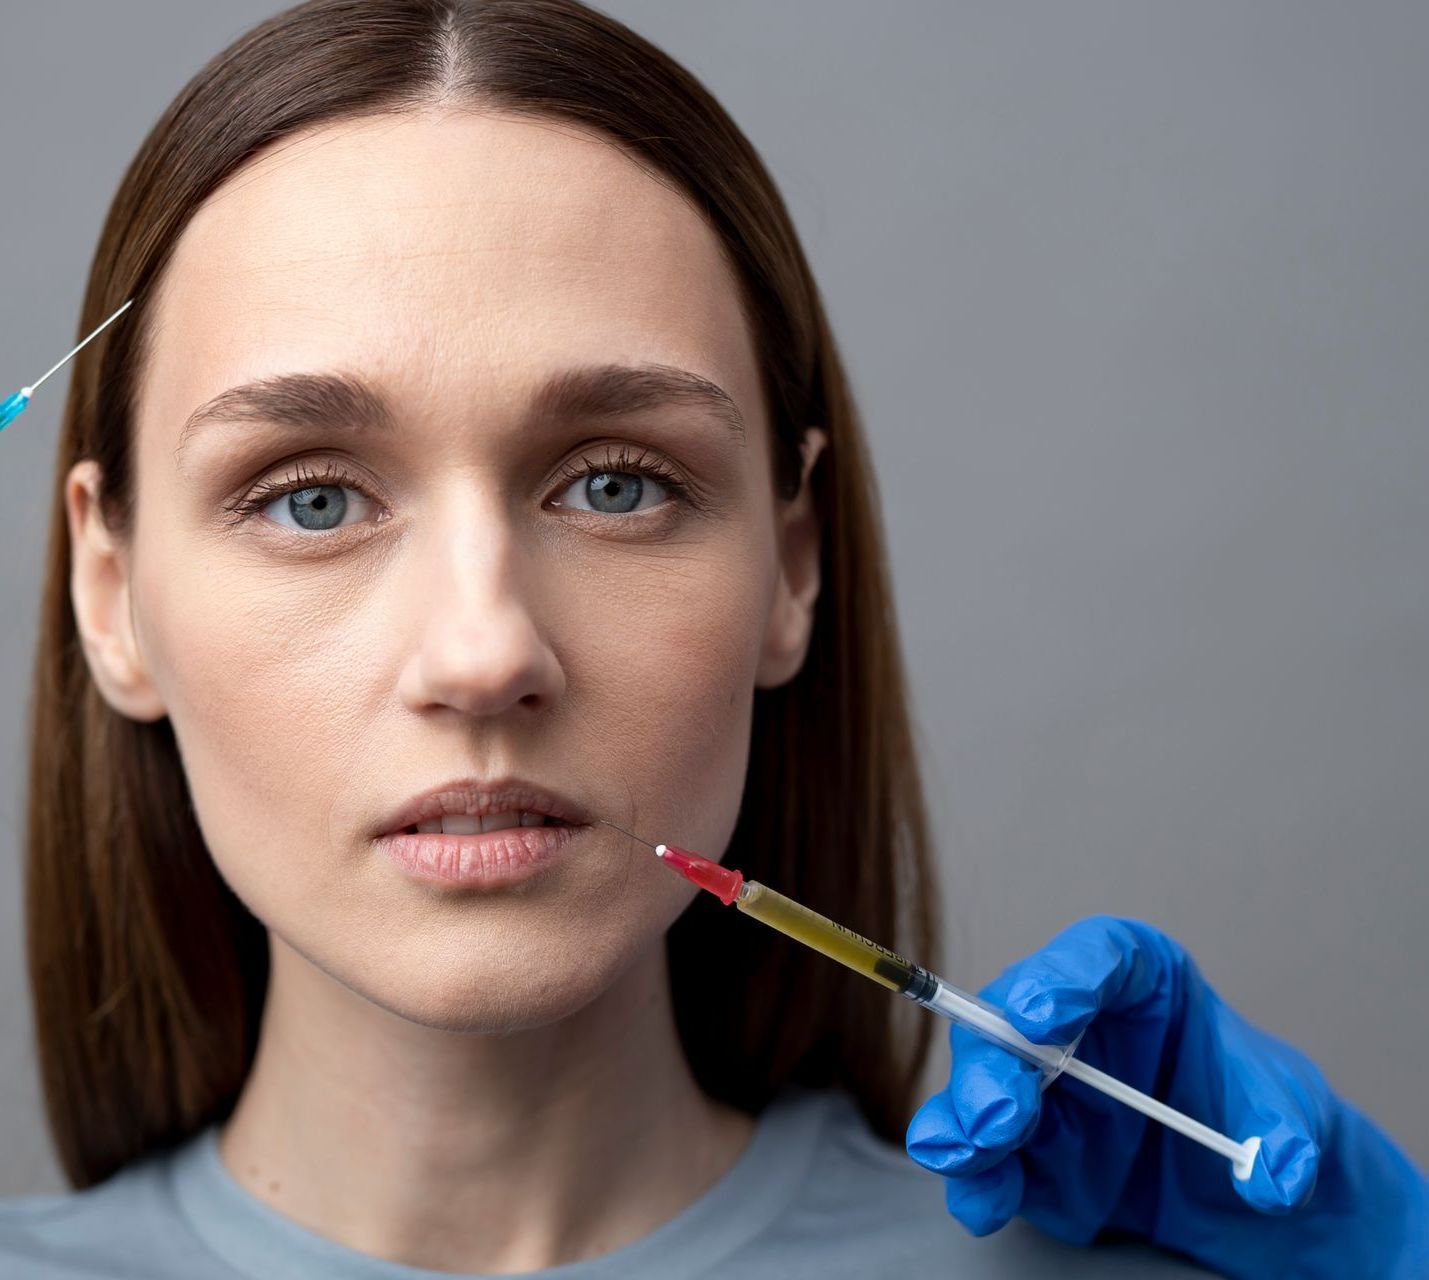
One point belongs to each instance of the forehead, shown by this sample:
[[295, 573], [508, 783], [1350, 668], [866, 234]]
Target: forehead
[[443, 254]]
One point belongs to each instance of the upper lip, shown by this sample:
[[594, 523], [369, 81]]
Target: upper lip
[[475, 796]]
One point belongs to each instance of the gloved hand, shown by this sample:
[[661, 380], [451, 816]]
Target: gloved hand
[[1330, 1194]]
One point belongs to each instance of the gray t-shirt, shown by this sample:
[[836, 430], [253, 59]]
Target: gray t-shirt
[[815, 1194]]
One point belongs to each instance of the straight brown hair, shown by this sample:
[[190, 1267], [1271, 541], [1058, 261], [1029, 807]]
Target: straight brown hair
[[147, 974]]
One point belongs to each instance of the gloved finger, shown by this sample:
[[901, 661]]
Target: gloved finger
[[995, 1094], [1272, 1090], [935, 1138], [990, 1107], [1099, 964], [985, 1202]]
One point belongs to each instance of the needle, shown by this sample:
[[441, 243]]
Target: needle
[[632, 835]]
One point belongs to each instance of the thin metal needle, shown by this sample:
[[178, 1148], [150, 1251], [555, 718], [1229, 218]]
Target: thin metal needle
[[631, 834], [91, 337]]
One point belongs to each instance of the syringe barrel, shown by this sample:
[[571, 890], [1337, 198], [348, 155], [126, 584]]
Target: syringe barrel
[[885, 967]]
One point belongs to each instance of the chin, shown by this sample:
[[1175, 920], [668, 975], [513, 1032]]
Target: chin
[[486, 995]]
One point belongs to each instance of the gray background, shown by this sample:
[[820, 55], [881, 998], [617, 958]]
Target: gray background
[[1135, 298]]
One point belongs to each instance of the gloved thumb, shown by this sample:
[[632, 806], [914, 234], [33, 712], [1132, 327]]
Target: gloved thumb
[[1285, 1170], [1273, 1090]]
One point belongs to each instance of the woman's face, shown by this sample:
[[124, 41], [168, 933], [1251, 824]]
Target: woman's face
[[456, 594]]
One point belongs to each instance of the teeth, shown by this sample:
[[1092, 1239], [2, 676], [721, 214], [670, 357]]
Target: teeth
[[470, 824]]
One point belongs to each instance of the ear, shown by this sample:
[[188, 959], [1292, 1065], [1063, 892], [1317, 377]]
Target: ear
[[99, 592], [791, 620]]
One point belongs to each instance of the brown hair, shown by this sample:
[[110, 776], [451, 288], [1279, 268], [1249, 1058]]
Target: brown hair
[[147, 974]]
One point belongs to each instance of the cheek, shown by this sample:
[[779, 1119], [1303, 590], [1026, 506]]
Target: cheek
[[257, 670], [663, 689]]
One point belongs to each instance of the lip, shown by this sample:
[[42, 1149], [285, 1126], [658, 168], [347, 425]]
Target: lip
[[481, 798], [490, 858]]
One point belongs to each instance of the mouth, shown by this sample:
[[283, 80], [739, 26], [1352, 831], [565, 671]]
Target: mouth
[[470, 824], [476, 806]]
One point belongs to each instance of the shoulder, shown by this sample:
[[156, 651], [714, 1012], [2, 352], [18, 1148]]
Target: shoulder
[[864, 1208], [126, 1225]]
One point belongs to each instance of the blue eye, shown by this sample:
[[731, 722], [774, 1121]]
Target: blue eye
[[307, 501], [319, 508], [620, 482], [613, 492], [314, 509]]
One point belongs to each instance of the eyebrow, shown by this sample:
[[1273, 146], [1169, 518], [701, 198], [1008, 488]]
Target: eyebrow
[[344, 401]]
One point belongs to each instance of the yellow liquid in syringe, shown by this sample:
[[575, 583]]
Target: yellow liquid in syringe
[[825, 935]]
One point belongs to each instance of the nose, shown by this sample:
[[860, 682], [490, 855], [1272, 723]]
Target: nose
[[479, 649]]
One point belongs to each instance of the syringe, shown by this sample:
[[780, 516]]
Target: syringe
[[14, 405], [927, 989]]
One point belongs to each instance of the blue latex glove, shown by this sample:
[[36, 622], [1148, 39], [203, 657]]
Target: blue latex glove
[[1330, 1194]]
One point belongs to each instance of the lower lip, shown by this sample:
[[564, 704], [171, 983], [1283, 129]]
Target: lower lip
[[491, 858]]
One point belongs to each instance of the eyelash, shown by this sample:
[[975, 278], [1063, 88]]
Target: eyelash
[[331, 474]]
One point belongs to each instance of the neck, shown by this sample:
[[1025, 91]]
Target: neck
[[475, 1152]]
